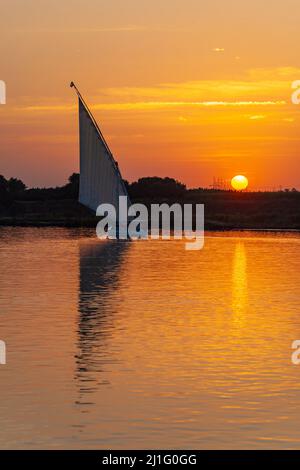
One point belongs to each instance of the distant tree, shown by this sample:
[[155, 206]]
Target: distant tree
[[15, 185], [70, 190], [5, 196], [3, 183], [3, 190], [155, 187], [74, 179]]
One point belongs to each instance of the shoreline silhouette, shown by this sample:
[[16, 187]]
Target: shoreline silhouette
[[224, 209]]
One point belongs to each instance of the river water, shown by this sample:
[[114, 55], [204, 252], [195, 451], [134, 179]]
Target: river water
[[146, 345]]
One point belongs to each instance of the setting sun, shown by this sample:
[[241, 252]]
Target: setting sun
[[239, 182]]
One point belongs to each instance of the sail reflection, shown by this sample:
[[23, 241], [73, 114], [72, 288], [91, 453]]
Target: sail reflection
[[99, 276]]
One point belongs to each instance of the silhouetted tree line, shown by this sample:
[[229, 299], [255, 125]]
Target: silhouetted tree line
[[10, 189], [148, 188], [14, 189], [223, 209], [155, 187]]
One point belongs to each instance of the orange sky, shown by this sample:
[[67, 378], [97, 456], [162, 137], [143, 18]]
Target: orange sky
[[189, 89]]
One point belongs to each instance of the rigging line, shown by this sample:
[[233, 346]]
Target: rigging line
[[72, 85]]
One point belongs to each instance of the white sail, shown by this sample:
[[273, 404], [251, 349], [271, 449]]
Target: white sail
[[100, 178]]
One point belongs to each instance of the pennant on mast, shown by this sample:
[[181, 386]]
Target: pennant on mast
[[100, 178]]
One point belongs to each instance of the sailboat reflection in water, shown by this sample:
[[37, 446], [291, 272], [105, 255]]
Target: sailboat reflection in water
[[100, 269]]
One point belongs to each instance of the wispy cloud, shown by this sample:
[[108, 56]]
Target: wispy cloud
[[256, 88], [106, 29], [248, 88], [257, 117], [144, 105]]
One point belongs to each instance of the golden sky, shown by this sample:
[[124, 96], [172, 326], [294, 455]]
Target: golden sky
[[188, 89]]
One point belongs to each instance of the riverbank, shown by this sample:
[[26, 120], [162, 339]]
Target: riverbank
[[224, 210]]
